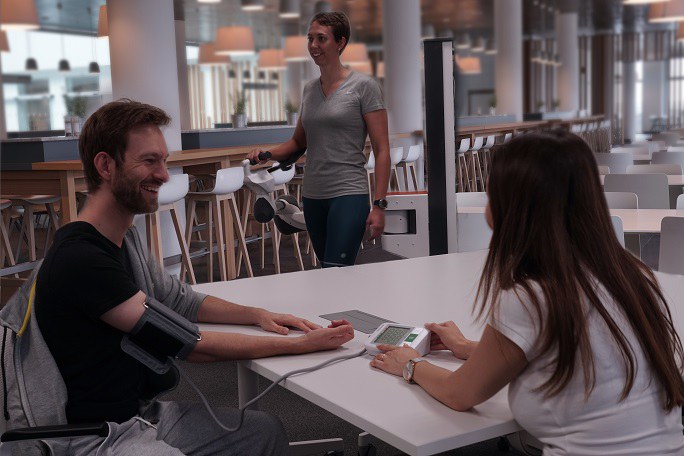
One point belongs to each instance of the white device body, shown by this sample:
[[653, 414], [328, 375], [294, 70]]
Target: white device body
[[400, 335]]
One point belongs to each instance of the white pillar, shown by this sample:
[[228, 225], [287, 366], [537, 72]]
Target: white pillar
[[401, 38], [568, 50], [3, 125], [182, 62], [655, 93], [142, 47], [509, 70], [629, 100]]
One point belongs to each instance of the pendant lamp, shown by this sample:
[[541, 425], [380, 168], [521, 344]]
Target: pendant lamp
[[18, 15], [234, 41]]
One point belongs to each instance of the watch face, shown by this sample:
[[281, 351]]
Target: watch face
[[381, 203], [407, 371]]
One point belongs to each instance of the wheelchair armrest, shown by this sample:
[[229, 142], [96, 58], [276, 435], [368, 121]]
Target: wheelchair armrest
[[55, 432]]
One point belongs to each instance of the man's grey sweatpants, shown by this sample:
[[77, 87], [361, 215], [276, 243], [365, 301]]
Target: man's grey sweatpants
[[186, 429]]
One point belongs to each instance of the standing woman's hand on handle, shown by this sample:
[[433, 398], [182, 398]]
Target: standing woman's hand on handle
[[447, 336], [253, 156]]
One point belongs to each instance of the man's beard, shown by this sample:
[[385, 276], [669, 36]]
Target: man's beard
[[129, 195]]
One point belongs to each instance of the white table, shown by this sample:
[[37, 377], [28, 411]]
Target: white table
[[411, 291], [634, 221], [672, 180]]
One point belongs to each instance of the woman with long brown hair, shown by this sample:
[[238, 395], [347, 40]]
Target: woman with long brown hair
[[575, 323]]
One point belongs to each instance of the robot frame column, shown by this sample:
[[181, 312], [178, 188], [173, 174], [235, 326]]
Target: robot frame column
[[426, 224]]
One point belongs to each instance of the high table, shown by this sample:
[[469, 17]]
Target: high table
[[634, 221], [414, 291]]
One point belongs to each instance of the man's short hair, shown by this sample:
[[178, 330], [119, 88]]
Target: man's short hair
[[338, 23], [107, 131]]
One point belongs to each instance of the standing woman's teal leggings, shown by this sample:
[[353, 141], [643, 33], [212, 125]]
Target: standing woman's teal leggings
[[336, 227]]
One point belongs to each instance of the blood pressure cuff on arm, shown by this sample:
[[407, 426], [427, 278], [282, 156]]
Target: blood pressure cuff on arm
[[159, 334]]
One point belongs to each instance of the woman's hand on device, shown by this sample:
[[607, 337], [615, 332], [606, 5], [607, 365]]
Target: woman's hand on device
[[447, 336], [253, 155], [393, 359]]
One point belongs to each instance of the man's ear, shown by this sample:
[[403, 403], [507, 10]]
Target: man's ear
[[104, 164]]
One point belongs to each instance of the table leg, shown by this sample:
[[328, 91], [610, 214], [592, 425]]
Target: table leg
[[68, 202], [248, 386]]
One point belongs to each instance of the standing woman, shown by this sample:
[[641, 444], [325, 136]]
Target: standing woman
[[576, 324], [339, 110]]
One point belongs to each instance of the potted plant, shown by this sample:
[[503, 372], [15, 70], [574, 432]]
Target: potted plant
[[292, 111], [76, 112], [239, 116], [540, 106], [492, 105], [555, 104]]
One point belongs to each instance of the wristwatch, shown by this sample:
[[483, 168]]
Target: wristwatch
[[409, 367], [381, 203]]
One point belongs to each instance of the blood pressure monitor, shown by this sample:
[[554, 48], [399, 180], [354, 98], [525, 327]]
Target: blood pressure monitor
[[400, 335]]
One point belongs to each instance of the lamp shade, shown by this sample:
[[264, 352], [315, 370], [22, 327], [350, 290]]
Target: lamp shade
[[680, 32], [272, 59], [295, 48], [289, 9], [380, 70], [207, 55], [355, 53], [31, 64], [102, 26], [490, 49], [671, 11], [469, 65], [234, 41], [18, 15], [64, 65], [252, 5], [479, 45], [93, 67], [4, 44]]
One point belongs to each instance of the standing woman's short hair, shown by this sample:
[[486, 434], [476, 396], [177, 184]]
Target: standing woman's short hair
[[339, 24]]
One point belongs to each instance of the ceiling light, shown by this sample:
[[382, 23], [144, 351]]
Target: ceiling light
[[354, 53], [271, 59], [64, 65], [469, 65], [102, 25], [246, 74], [93, 67], [207, 55], [252, 5], [289, 9], [234, 41], [18, 15], [4, 44], [295, 48], [479, 45], [31, 64], [231, 73], [671, 11]]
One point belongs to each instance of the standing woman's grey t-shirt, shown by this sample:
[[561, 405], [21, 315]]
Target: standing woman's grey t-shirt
[[336, 135]]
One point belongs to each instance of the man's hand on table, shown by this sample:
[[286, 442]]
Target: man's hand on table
[[337, 333], [280, 323]]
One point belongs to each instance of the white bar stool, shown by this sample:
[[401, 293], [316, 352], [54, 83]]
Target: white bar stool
[[6, 252], [463, 174], [221, 206], [409, 161], [170, 193], [33, 204], [476, 164], [396, 156]]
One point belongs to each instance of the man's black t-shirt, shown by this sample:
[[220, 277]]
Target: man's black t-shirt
[[83, 276]]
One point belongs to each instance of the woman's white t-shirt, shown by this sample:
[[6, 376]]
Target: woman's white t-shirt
[[601, 425]]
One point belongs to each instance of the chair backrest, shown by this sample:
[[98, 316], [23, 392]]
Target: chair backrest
[[464, 145], [396, 155], [677, 148], [622, 200], [477, 143], [370, 164], [281, 177], [631, 148], [672, 169], [174, 189], [671, 245], [508, 137], [603, 170], [413, 153], [619, 229], [652, 189], [616, 161], [228, 180], [669, 137], [668, 157], [490, 141], [680, 203], [471, 199], [473, 232]]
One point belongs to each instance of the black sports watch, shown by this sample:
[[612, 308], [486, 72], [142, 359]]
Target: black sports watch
[[381, 203]]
